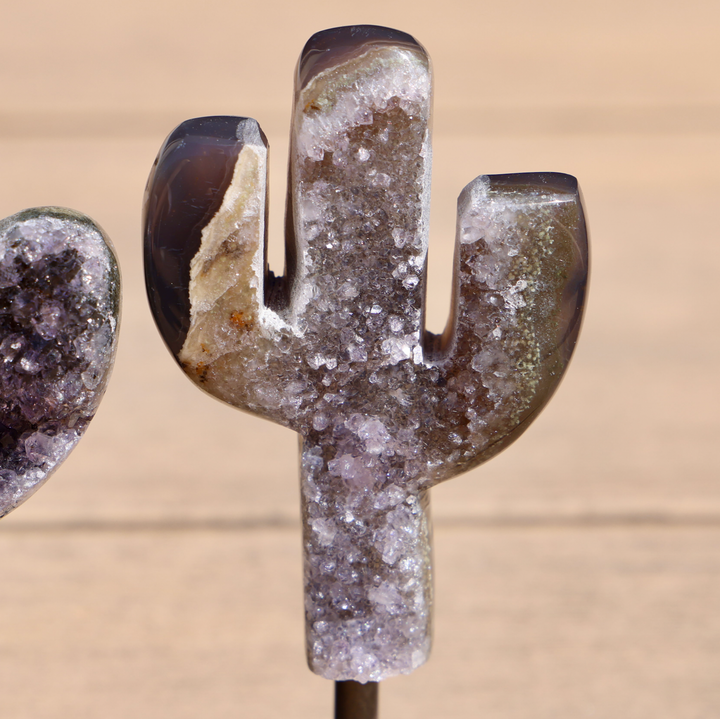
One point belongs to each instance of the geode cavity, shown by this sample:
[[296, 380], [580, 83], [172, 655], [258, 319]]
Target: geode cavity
[[59, 306]]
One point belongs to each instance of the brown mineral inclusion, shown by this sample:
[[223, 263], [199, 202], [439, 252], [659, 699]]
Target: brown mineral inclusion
[[337, 349]]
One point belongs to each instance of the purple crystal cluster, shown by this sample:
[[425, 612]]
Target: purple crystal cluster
[[59, 305], [337, 349]]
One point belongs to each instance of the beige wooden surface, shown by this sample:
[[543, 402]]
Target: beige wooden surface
[[578, 574]]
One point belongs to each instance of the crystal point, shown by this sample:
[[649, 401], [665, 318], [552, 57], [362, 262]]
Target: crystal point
[[60, 294], [385, 410]]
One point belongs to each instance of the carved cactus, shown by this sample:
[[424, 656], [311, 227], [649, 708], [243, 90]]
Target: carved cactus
[[336, 350]]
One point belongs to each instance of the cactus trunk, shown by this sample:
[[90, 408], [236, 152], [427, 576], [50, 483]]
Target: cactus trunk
[[368, 570]]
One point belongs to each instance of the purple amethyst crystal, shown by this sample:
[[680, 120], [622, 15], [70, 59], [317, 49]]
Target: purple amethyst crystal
[[59, 307]]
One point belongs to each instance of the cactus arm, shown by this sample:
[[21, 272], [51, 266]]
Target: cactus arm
[[206, 266], [231, 330], [520, 276]]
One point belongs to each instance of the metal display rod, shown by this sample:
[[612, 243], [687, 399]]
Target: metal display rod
[[354, 700]]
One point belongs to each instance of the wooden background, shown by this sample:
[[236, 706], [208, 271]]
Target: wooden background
[[578, 574]]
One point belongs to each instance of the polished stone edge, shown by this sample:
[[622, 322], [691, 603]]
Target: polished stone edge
[[335, 46], [551, 181], [185, 190]]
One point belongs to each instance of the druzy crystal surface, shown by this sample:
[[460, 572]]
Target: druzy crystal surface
[[337, 350], [59, 302]]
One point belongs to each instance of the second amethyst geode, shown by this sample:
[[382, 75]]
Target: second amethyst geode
[[59, 310]]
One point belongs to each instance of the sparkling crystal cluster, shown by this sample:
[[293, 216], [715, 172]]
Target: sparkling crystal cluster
[[336, 349], [59, 302]]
